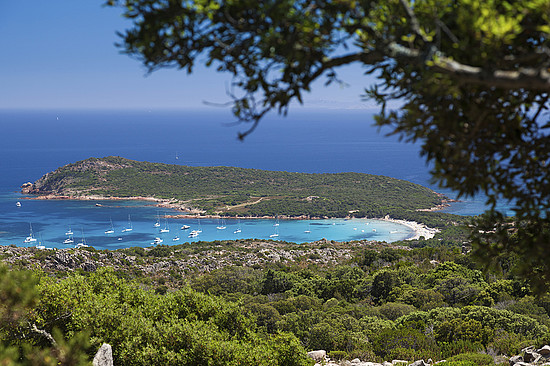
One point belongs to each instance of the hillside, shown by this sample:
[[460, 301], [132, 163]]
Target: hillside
[[263, 303], [238, 191]]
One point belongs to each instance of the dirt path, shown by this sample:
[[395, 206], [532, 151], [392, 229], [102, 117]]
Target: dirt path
[[244, 204]]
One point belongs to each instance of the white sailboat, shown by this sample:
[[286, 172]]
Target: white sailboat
[[18, 204], [69, 232], [221, 226], [157, 223], [166, 228], [276, 222], [195, 233], [30, 238], [157, 241], [185, 227], [112, 229], [40, 244], [130, 227], [69, 240], [199, 230], [238, 230], [275, 234], [82, 243]]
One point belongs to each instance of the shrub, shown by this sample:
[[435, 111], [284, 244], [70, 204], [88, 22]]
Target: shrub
[[489, 317], [338, 355], [505, 343], [456, 347], [460, 329], [363, 354], [403, 338], [479, 359], [457, 363], [409, 354], [160, 251], [392, 310]]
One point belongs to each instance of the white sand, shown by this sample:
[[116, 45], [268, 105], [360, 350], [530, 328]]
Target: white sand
[[419, 229]]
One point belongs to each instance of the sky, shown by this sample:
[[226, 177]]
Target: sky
[[61, 54]]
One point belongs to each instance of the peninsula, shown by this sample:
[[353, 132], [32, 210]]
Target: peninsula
[[230, 191]]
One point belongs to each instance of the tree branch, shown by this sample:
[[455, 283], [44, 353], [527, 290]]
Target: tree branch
[[45, 334], [368, 58], [415, 25], [524, 78]]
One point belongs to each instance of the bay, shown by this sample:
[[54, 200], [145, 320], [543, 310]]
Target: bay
[[36, 142]]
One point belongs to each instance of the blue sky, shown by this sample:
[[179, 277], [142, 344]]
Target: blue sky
[[60, 54]]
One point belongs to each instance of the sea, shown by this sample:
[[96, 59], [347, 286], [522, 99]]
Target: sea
[[35, 142]]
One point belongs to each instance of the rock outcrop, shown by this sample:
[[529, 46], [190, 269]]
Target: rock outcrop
[[183, 261], [530, 357], [318, 356], [104, 356]]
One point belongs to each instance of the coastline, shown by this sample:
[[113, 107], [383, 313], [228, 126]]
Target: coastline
[[420, 230]]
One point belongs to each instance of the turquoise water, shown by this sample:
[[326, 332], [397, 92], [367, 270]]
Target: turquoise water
[[33, 143], [85, 218]]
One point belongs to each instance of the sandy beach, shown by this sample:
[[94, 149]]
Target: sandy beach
[[420, 230]]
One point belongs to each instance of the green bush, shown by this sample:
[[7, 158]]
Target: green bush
[[406, 340], [457, 363], [456, 347], [160, 251], [409, 354], [338, 355], [461, 329], [183, 327], [505, 343], [494, 319], [479, 359], [392, 310]]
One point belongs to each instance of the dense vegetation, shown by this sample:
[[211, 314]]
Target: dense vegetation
[[237, 191], [383, 303]]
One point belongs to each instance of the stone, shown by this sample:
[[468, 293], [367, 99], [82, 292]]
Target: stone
[[104, 356], [27, 188], [318, 356], [515, 359], [355, 360], [89, 266], [530, 356], [419, 363], [399, 362], [545, 351], [386, 363]]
